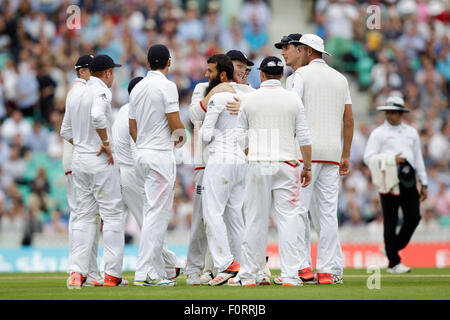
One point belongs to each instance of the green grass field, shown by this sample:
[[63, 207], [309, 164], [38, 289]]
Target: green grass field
[[420, 284]]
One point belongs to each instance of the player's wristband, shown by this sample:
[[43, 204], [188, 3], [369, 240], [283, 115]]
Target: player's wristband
[[306, 169], [105, 142]]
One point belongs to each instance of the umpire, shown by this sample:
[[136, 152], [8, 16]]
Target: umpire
[[396, 145]]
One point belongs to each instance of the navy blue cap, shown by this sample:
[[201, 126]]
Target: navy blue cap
[[293, 38], [272, 65], [83, 61], [102, 62], [158, 54], [239, 55], [133, 82]]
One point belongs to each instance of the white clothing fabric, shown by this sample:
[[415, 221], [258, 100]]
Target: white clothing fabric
[[124, 146], [320, 197], [156, 173], [403, 139], [274, 118], [131, 193], [151, 99], [223, 181], [97, 188], [198, 242], [383, 169], [91, 110], [266, 194], [325, 93]]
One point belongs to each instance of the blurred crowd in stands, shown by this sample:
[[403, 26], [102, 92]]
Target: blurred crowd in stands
[[408, 54]]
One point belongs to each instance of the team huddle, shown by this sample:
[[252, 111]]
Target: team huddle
[[264, 152]]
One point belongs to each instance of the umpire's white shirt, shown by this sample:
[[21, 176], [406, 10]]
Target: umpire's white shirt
[[403, 139], [151, 99], [92, 112]]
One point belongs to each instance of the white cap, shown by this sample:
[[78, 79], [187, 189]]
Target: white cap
[[313, 41]]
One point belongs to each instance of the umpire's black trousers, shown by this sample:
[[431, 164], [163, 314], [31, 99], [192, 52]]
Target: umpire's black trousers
[[409, 201]]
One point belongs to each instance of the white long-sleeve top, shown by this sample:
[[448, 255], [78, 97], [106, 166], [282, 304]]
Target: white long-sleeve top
[[124, 146], [73, 96], [89, 111], [275, 119], [219, 128], [197, 113], [403, 139]]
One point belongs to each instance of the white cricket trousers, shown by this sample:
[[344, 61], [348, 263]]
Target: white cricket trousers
[[272, 187], [93, 271], [133, 203], [320, 198], [97, 188], [198, 242], [156, 173], [223, 195]]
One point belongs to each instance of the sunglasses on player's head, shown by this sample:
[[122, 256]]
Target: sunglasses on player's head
[[287, 40]]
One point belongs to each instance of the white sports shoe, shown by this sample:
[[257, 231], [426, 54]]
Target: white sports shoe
[[399, 268], [263, 281], [193, 279], [337, 279], [91, 282], [206, 277], [277, 280]]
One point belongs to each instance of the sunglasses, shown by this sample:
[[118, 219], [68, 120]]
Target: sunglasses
[[288, 40]]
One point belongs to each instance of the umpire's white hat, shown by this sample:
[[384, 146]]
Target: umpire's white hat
[[394, 103]]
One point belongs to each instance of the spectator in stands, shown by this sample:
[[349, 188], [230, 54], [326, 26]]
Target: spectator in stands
[[33, 225], [13, 219], [14, 126], [256, 35], [258, 9], [232, 39], [40, 188], [37, 141], [13, 168], [56, 225], [191, 27], [27, 88]]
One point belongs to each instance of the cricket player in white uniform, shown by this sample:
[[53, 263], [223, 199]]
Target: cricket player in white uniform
[[73, 97], [326, 96], [125, 151], [223, 181], [155, 127], [198, 256], [275, 119], [87, 126]]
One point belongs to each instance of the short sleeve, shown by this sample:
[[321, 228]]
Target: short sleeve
[[171, 98]]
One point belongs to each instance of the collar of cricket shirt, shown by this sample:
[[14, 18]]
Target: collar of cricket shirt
[[80, 80], [98, 80], [152, 73], [271, 83], [390, 126], [318, 60]]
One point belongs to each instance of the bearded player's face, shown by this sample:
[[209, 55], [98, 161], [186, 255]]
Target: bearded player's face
[[211, 71]]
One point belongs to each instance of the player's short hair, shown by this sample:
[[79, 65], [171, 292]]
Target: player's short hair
[[223, 64]]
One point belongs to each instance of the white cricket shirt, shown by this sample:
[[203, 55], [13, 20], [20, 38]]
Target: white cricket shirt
[[150, 101], [92, 111], [124, 146], [220, 126]]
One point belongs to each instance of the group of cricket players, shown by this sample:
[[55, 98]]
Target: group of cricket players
[[259, 153]]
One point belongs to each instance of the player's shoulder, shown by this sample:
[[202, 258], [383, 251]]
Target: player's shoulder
[[221, 98], [201, 86]]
